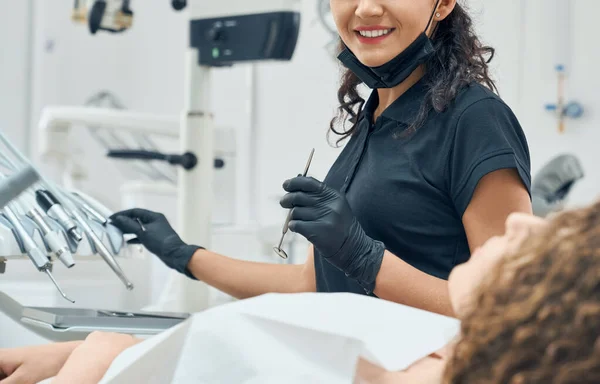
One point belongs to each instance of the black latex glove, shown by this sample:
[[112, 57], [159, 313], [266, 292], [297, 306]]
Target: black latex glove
[[156, 234], [323, 216]]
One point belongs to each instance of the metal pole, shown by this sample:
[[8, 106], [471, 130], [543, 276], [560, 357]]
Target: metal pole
[[195, 188]]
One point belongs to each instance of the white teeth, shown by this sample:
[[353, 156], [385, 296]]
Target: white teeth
[[377, 33]]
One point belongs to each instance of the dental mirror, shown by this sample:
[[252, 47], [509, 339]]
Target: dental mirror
[[278, 249]]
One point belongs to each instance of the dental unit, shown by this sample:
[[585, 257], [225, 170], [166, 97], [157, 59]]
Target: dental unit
[[50, 221]]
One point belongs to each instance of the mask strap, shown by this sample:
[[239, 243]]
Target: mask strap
[[437, 3]]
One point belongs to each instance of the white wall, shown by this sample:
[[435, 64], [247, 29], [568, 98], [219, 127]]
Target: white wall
[[538, 87], [15, 63]]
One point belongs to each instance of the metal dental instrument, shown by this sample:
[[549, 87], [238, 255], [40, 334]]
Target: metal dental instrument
[[101, 248], [54, 209], [44, 198], [141, 224], [39, 259], [90, 211], [77, 215], [278, 249], [56, 244], [57, 287]]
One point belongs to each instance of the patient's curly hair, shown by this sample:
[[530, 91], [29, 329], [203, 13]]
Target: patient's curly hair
[[537, 318]]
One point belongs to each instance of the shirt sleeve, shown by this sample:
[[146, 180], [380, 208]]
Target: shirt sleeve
[[488, 138]]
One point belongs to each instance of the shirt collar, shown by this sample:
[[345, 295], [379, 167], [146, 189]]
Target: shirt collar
[[404, 109]]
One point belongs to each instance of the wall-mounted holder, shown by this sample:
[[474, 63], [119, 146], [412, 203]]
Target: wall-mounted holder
[[562, 109]]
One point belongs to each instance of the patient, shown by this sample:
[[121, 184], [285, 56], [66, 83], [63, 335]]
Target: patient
[[533, 318], [529, 302]]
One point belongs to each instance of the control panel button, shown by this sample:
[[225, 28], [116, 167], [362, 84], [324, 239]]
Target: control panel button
[[216, 35]]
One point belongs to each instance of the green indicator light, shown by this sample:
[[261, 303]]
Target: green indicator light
[[215, 53]]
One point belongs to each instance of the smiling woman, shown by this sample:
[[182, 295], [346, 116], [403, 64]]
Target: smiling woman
[[434, 164], [391, 36]]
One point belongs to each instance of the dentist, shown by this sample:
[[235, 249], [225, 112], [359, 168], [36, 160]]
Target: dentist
[[434, 163]]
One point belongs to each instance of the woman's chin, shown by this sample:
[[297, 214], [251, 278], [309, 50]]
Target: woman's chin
[[373, 60]]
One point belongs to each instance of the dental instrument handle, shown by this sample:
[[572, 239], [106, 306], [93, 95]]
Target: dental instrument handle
[[312, 152], [19, 155], [35, 215], [100, 247], [286, 225], [39, 259], [93, 214], [285, 229], [57, 286], [48, 201], [104, 252], [56, 243]]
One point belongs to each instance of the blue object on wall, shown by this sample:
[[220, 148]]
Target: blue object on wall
[[573, 110]]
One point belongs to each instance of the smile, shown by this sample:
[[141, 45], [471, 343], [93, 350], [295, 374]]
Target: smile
[[376, 33]]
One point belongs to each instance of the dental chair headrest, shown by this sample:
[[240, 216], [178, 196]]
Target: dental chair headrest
[[553, 183]]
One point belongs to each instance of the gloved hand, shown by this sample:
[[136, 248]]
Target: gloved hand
[[323, 216], [156, 234]]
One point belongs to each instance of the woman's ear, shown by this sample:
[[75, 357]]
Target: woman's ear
[[445, 7]]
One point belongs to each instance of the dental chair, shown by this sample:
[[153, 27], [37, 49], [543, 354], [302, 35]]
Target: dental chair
[[553, 183]]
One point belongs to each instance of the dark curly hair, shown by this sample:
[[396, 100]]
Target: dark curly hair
[[459, 59], [537, 318]]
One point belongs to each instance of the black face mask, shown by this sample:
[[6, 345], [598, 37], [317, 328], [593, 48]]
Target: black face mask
[[396, 70]]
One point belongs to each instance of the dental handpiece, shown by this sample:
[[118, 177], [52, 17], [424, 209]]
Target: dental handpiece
[[104, 252], [286, 225], [50, 204], [56, 244], [93, 214], [101, 249], [39, 259], [89, 211]]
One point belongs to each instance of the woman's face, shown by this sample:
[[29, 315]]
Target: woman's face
[[376, 31], [465, 278]]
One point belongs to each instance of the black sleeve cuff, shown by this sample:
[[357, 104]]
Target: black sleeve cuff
[[504, 159]]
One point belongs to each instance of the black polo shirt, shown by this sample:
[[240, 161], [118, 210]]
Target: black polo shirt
[[411, 189]]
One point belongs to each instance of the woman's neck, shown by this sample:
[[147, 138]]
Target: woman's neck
[[388, 95]]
